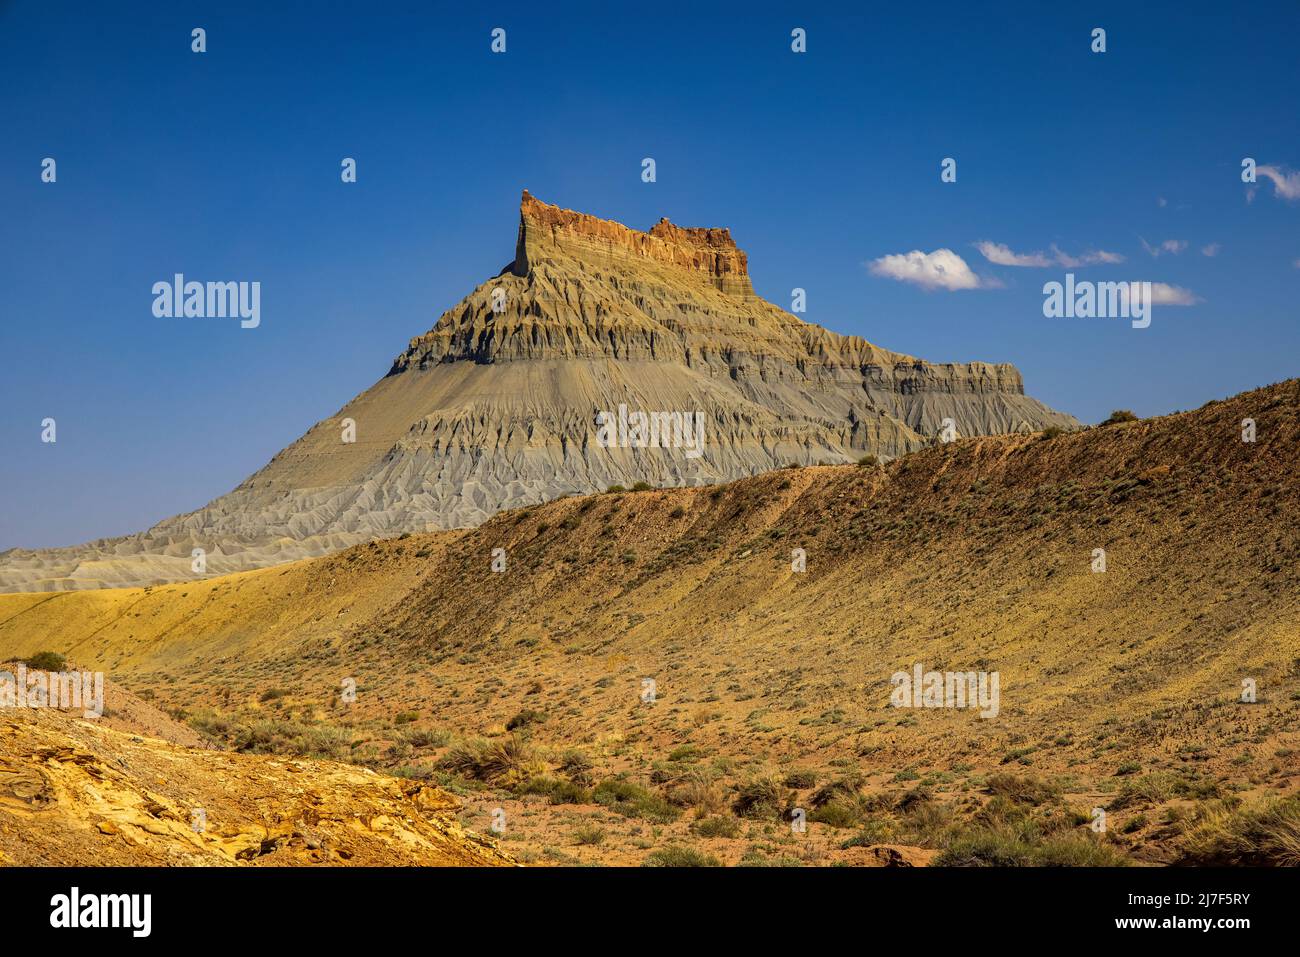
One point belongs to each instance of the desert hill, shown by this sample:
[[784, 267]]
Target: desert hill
[[494, 408], [1120, 689]]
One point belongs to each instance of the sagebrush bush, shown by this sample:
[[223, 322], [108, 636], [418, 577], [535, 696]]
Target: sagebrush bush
[[801, 779], [717, 826], [632, 800], [589, 835], [426, 738], [47, 661], [526, 717], [675, 855]]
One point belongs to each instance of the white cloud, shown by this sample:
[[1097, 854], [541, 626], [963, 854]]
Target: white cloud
[[941, 269], [1211, 250], [1174, 246], [1085, 259], [1285, 185], [1001, 255], [1163, 294]]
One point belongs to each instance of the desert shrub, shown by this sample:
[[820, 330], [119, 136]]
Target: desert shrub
[[698, 790], [462, 759], [47, 661], [929, 823], [674, 855], [642, 487], [1022, 790], [426, 738], [206, 721], [841, 812], [569, 792], [1076, 850], [406, 717], [399, 750], [868, 460], [615, 489], [985, 849], [684, 752], [324, 741], [1266, 835], [994, 847], [589, 835], [1120, 415], [632, 800], [1006, 815], [509, 762], [285, 737], [913, 801], [524, 718], [800, 779], [760, 796], [271, 694], [576, 766], [261, 737], [846, 787], [541, 784], [1052, 432], [1148, 789], [1133, 825], [556, 790], [414, 772], [876, 829], [760, 856], [677, 512], [717, 826]]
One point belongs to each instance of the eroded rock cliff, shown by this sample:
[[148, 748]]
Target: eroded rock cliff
[[495, 407]]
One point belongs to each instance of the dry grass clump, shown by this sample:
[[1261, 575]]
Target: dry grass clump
[[508, 762], [761, 796], [1266, 835]]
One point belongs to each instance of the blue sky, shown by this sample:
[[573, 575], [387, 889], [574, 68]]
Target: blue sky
[[225, 165]]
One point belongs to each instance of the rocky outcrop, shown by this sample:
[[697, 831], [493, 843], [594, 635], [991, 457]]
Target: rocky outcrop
[[75, 793], [711, 253], [495, 407]]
